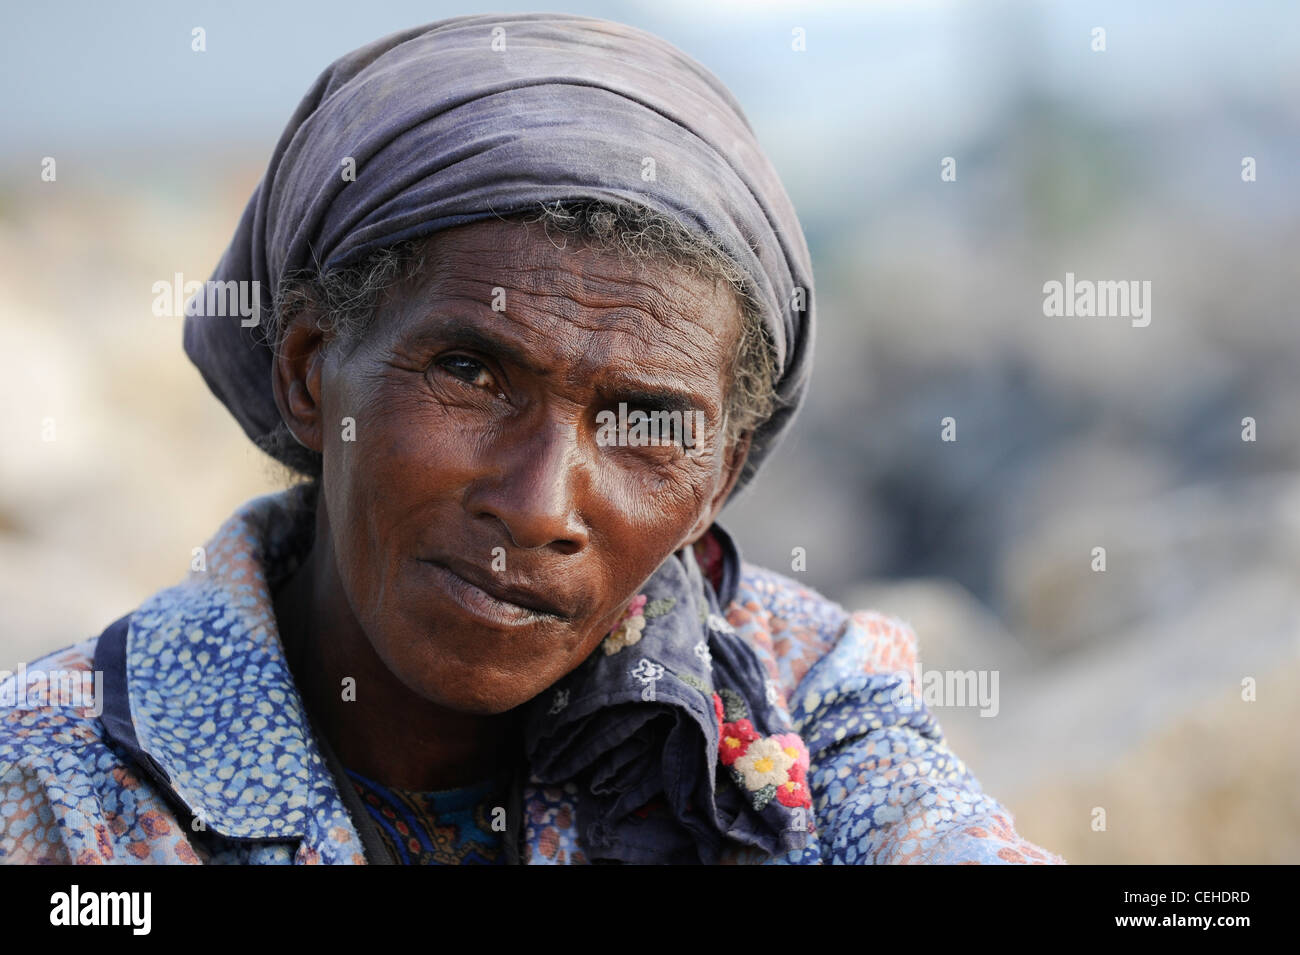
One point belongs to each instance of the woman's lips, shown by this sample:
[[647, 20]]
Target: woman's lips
[[497, 609]]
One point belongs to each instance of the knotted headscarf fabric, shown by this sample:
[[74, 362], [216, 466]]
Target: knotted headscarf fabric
[[483, 116]]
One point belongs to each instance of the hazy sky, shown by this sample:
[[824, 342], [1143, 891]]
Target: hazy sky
[[123, 75]]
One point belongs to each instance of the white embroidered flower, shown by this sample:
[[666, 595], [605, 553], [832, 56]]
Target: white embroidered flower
[[702, 651], [560, 702], [765, 763], [770, 689], [646, 671]]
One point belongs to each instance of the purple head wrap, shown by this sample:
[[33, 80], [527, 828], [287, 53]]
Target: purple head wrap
[[483, 116]]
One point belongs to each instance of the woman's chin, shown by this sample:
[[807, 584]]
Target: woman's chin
[[479, 690]]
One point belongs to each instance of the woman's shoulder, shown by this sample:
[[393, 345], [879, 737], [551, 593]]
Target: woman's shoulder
[[786, 601], [67, 793], [52, 751], [793, 627], [52, 702]]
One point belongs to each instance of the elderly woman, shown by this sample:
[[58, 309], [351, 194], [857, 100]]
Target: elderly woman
[[538, 306]]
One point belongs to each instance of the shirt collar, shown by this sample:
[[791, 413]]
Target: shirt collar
[[205, 692]]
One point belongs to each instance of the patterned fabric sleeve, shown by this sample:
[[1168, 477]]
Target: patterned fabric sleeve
[[65, 796], [886, 788]]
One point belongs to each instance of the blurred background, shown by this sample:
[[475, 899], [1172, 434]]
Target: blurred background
[[1119, 689]]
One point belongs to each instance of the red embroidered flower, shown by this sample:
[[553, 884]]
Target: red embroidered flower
[[734, 739], [793, 793], [717, 707]]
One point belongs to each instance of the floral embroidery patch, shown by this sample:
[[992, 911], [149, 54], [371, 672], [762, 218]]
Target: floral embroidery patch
[[631, 625], [764, 767]]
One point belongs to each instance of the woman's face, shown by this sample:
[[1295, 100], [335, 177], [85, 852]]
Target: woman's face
[[486, 533]]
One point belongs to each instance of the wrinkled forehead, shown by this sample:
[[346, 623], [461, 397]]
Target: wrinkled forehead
[[564, 300]]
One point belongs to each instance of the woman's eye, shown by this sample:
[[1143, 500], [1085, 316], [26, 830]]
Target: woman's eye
[[469, 371], [652, 431]]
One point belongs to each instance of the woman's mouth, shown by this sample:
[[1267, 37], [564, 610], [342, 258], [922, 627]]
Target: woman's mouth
[[493, 602]]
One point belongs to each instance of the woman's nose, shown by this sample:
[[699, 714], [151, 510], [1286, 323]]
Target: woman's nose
[[534, 488]]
